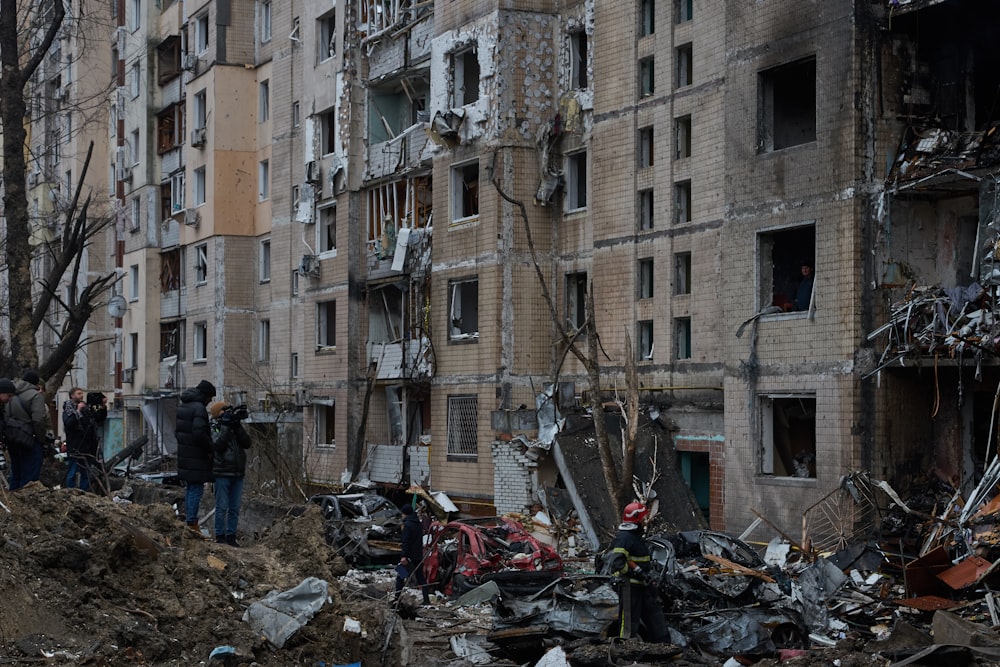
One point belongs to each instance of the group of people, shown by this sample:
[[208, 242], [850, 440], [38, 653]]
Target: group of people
[[211, 447], [23, 402]]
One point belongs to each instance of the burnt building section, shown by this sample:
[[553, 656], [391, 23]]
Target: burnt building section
[[397, 214], [935, 245]]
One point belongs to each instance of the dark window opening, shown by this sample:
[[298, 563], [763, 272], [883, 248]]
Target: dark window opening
[[170, 270], [168, 59], [646, 217], [783, 254], [171, 340], [576, 299], [685, 65], [696, 471], [647, 17], [788, 438], [647, 77], [645, 147], [578, 57], [682, 338], [465, 69], [465, 191], [682, 202], [464, 309], [787, 105]]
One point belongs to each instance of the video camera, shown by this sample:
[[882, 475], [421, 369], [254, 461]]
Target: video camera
[[236, 412], [95, 399]]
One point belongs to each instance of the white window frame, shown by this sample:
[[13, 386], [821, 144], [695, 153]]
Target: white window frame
[[136, 15], [201, 264], [457, 191], [577, 199], [264, 179], [324, 414], [326, 332], [135, 210], [460, 292], [326, 231], [200, 341], [265, 260], [177, 185], [133, 282], [265, 21], [264, 101], [326, 36], [201, 33], [200, 109], [134, 79], [199, 187]]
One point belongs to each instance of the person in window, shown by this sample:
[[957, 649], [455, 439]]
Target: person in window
[[803, 295]]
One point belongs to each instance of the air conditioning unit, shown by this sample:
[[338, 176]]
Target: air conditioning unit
[[126, 174], [302, 397], [33, 179], [62, 93], [128, 375], [192, 217], [309, 266], [198, 136], [312, 172], [190, 61]]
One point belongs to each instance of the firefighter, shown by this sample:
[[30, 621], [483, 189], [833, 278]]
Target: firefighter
[[627, 558]]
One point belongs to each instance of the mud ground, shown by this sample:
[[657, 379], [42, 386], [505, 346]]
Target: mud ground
[[86, 580]]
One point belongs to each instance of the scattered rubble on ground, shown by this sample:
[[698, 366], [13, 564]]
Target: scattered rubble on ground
[[886, 579]]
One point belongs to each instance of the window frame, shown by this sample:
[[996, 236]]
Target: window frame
[[464, 76], [576, 299], [264, 101], [647, 77], [199, 342], [326, 36], [264, 341], [323, 415], [682, 137], [682, 202], [464, 207], [201, 36], [199, 188], [326, 335], [463, 442], [460, 295], [577, 183], [791, 79], [644, 278], [579, 59], [646, 209], [682, 338], [200, 264], [644, 343], [263, 180], [645, 147], [682, 273], [265, 21], [768, 457], [326, 230], [264, 263]]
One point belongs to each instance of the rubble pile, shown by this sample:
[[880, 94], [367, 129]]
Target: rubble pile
[[942, 321]]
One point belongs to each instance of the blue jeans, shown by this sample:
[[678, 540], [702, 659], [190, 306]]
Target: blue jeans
[[78, 465], [24, 466], [228, 493], [192, 501]]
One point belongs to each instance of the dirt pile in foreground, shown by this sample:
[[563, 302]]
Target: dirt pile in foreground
[[88, 580]]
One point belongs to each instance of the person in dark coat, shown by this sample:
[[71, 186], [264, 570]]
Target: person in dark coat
[[411, 563], [229, 464], [81, 420], [28, 404], [194, 447], [628, 557], [803, 295]]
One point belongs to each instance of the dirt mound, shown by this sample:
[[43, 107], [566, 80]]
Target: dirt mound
[[90, 580]]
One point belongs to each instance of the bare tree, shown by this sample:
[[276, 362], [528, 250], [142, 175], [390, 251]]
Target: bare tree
[[619, 484], [27, 33]]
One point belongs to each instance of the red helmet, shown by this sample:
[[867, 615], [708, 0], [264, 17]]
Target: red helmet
[[634, 513]]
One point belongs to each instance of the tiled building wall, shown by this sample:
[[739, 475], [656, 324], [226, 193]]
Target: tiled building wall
[[511, 477]]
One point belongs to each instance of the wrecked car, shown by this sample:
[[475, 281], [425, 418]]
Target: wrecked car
[[466, 553], [364, 528]]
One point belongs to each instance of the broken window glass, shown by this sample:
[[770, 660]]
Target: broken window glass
[[646, 217], [644, 349], [465, 191], [465, 71], [788, 435], [576, 299], [464, 309]]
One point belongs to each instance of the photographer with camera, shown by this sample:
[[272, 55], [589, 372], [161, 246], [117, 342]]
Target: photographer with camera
[[81, 419], [229, 442]]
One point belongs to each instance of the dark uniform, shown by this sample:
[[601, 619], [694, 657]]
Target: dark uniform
[[628, 557]]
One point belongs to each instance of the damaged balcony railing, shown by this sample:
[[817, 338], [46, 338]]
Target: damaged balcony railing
[[935, 320]]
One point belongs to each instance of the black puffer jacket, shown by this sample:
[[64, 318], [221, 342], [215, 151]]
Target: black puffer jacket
[[229, 442], [412, 541], [194, 438]]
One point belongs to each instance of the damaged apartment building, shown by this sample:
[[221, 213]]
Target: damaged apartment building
[[373, 221]]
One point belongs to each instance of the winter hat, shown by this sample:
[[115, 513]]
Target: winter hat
[[206, 388], [406, 509], [31, 377], [215, 409], [7, 387]]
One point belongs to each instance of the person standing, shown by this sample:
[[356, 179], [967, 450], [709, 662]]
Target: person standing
[[803, 295], [28, 405], [229, 442], [81, 420], [411, 563], [627, 557], [194, 447]]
